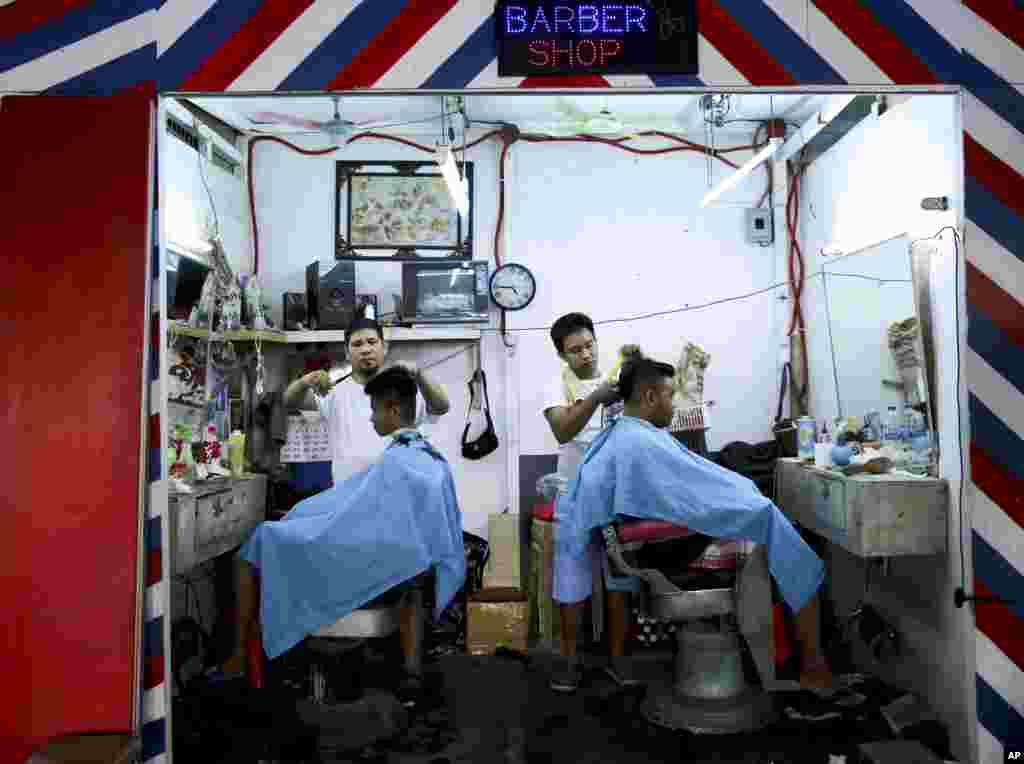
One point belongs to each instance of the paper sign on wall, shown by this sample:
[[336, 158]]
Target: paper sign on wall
[[307, 440]]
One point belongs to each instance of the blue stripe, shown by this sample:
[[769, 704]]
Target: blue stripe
[[154, 356], [466, 63], [784, 45], [989, 341], [992, 90], [919, 36], [342, 45], [997, 574], [153, 637], [75, 25], [986, 338], [677, 80], [110, 78], [153, 535], [154, 464], [153, 735], [995, 218], [203, 39], [949, 64], [999, 717], [1001, 443]]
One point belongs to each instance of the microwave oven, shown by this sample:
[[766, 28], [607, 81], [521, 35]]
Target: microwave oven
[[445, 292]]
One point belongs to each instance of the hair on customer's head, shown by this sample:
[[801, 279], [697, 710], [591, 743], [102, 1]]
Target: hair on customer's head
[[640, 372], [395, 384]]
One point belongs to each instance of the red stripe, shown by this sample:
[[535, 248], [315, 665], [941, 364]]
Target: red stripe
[[1005, 15], [154, 672], [23, 17], [245, 45], [153, 567], [565, 81], [1003, 181], [995, 482], [393, 42], [154, 328], [1000, 624], [877, 42], [739, 47], [994, 302], [154, 431]]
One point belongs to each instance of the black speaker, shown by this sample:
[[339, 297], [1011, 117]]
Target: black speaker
[[331, 297], [295, 311]]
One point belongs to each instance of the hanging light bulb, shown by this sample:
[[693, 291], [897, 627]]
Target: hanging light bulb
[[458, 187]]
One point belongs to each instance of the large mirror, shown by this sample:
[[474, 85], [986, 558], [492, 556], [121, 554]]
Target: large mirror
[[875, 328]]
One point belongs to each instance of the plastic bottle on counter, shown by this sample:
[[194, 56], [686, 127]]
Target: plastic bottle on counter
[[891, 426]]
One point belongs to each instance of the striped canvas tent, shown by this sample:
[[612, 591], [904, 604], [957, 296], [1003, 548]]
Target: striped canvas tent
[[109, 46]]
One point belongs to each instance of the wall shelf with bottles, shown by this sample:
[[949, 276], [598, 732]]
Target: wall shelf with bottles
[[391, 334]]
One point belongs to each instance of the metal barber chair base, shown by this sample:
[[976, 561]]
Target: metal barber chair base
[[338, 647], [710, 694]]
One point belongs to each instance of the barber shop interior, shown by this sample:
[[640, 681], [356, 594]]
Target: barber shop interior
[[544, 427]]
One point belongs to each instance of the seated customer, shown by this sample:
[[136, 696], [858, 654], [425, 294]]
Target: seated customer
[[340, 549], [635, 468]]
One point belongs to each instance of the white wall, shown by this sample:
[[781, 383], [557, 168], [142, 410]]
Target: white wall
[[618, 238], [604, 234], [295, 212], [868, 187]]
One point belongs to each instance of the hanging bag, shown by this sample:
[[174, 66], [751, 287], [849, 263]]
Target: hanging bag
[[486, 442], [784, 429]]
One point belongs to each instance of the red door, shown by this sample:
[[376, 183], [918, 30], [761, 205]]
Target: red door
[[73, 248]]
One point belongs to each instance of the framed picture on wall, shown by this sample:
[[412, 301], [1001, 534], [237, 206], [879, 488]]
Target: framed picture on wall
[[399, 211]]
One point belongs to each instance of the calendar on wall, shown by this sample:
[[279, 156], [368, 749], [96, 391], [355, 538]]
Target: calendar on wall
[[306, 440]]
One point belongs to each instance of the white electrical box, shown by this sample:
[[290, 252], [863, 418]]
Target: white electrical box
[[759, 226]]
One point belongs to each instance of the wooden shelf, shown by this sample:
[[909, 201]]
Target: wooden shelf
[[391, 334]]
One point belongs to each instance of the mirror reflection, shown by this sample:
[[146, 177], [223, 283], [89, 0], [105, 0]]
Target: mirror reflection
[[875, 333]]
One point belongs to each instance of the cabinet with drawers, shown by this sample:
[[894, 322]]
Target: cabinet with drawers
[[214, 519], [868, 515]]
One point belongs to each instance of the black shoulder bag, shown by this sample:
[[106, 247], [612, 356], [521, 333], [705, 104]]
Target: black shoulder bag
[[784, 429], [487, 441]]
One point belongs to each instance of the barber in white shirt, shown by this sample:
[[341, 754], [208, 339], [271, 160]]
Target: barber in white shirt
[[346, 406]]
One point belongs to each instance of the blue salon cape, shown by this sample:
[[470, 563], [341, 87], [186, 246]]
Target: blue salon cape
[[336, 551], [635, 469]]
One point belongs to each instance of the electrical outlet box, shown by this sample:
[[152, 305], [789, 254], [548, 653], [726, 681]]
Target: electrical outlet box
[[759, 226]]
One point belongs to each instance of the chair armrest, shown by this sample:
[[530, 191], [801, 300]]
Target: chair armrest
[[659, 583]]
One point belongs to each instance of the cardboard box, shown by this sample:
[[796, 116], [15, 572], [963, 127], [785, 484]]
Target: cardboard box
[[503, 564], [497, 618]]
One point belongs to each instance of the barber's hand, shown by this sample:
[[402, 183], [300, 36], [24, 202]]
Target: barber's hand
[[607, 393], [319, 380]]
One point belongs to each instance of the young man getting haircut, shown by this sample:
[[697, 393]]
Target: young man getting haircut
[[574, 410], [636, 467], [377, 532]]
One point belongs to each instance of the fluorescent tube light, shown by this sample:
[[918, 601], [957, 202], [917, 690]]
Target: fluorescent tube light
[[457, 186], [741, 173]]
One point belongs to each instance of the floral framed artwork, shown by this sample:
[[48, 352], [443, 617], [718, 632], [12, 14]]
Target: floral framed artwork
[[399, 211]]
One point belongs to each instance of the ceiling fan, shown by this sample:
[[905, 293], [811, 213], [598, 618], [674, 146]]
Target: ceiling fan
[[602, 123], [336, 128]]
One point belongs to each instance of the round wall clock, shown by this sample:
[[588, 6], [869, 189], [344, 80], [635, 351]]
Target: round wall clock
[[513, 287]]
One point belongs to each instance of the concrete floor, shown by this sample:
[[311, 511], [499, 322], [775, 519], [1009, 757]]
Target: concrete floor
[[500, 709]]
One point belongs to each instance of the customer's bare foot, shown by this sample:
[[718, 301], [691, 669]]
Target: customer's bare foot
[[815, 675]]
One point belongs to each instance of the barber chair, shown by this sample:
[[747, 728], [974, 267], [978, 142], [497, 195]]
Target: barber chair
[[708, 693]]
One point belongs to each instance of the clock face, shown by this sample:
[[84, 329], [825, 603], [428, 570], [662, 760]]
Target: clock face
[[513, 287]]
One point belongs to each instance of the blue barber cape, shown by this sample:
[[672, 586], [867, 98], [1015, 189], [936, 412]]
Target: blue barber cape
[[336, 551], [635, 469]]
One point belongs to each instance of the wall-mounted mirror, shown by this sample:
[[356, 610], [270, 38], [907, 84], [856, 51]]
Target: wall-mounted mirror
[[877, 312]]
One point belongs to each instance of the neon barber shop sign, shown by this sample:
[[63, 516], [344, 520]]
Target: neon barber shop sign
[[537, 37]]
